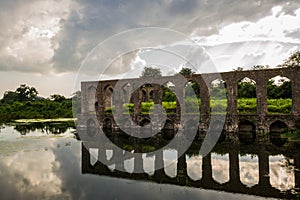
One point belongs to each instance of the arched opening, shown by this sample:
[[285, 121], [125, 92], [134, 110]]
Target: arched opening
[[192, 97], [249, 169], [247, 96], [107, 123], [169, 97], [145, 122], [108, 99], [96, 106], [144, 96], [91, 96], [220, 167], [168, 131], [282, 172], [91, 127], [147, 104], [278, 128], [247, 132], [279, 93], [218, 96]]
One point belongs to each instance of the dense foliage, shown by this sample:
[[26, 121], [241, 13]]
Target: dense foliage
[[25, 104]]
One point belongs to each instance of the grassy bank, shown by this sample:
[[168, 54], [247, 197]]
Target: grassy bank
[[245, 106]]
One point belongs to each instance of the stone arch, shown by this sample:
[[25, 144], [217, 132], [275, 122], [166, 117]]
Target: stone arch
[[168, 131], [91, 96], [108, 96], [91, 127], [145, 92], [168, 96], [247, 131], [279, 95], [218, 96], [192, 97], [246, 95], [144, 96]]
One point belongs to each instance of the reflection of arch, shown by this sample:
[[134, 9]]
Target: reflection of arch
[[278, 127], [107, 123], [145, 122], [169, 125], [91, 127], [91, 96], [247, 131], [108, 95], [246, 126]]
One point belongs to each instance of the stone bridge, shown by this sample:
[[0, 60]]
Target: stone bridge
[[97, 97]]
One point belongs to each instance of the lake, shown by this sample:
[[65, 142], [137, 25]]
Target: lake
[[46, 161]]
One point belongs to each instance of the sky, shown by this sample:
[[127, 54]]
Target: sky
[[45, 43]]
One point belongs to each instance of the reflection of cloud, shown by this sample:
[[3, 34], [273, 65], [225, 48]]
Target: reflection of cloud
[[282, 175], [29, 176], [194, 167], [249, 172], [220, 167]]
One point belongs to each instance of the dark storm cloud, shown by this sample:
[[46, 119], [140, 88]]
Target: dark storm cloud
[[83, 24]]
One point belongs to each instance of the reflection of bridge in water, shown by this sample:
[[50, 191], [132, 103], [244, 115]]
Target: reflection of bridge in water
[[97, 96], [264, 186]]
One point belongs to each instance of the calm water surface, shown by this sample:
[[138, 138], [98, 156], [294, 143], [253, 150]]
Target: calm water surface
[[45, 162]]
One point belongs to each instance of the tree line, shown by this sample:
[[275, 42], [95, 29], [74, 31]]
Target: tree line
[[24, 103]]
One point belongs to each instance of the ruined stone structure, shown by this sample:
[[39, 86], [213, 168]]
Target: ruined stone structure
[[97, 97]]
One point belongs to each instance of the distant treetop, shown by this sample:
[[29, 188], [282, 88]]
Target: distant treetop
[[186, 71], [293, 60], [151, 72]]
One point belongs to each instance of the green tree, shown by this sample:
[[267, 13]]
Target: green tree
[[246, 89], [26, 93], [9, 97], [151, 72], [293, 60], [57, 98], [186, 71]]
